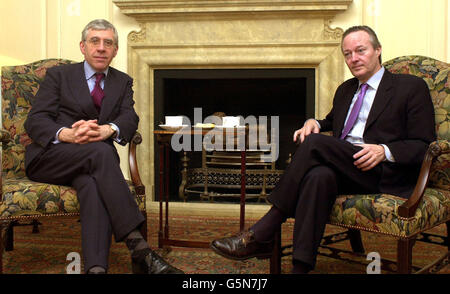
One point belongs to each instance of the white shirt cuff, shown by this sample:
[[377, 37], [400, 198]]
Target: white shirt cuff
[[56, 141], [388, 154], [315, 121]]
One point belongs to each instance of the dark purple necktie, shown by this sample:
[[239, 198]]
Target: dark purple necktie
[[97, 93], [355, 111]]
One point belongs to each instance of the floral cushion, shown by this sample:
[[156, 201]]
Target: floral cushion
[[378, 213], [25, 197]]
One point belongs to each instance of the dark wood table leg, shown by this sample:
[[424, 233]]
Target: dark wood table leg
[[161, 193], [166, 181], [243, 183]]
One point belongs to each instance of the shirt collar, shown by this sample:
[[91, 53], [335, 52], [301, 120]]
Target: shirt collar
[[89, 71], [375, 80]]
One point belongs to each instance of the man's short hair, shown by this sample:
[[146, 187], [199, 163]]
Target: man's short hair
[[99, 25], [372, 36]]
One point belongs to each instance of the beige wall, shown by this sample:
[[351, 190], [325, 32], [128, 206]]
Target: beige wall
[[404, 27], [36, 29]]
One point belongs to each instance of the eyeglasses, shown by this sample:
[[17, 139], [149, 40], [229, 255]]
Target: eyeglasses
[[107, 43]]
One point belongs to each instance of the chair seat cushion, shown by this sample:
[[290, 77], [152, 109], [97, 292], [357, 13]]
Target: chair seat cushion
[[378, 213], [23, 197]]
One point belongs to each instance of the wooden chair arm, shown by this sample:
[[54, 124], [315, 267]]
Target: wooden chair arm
[[135, 177], [408, 209]]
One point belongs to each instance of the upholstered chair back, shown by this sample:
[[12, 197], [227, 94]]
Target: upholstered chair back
[[19, 85], [437, 76]]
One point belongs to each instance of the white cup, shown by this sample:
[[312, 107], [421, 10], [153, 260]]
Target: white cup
[[230, 121], [174, 120]]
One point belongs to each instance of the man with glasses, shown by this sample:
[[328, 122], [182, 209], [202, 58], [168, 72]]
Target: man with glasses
[[79, 110]]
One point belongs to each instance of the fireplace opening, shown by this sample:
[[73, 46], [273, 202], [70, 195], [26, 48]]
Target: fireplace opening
[[285, 93]]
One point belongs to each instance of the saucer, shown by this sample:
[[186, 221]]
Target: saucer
[[172, 128], [230, 127]]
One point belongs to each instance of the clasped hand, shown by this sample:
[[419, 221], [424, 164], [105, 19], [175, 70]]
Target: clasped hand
[[367, 158], [82, 132]]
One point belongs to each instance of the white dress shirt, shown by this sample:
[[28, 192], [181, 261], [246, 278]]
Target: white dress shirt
[[355, 136], [90, 76]]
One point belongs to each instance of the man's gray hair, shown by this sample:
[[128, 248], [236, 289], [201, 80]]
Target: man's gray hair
[[99, 25]]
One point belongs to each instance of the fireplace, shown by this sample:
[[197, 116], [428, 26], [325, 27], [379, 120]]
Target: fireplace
[[284, 94], [233, 35]]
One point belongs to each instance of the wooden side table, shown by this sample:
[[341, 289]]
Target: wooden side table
[[163, 138]]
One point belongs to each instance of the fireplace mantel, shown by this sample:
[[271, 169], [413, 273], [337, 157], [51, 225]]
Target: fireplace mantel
[[149, 9], [200, 34]]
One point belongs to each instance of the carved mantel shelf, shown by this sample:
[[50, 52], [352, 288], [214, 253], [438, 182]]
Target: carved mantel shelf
[[148, 9], [230, 34]]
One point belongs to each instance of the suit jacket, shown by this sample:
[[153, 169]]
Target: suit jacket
[[402, 117], [63, 98]]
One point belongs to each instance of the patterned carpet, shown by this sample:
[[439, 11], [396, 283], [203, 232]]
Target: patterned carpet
[[46, 251]]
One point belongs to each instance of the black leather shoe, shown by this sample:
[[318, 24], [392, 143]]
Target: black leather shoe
[[242, 246], [96, 273], [146, 261]]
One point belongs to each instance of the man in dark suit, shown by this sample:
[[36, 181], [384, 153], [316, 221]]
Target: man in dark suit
[[382, 125], [79, 110]]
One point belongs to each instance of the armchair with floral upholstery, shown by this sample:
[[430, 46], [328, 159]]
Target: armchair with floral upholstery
[[384, 214], [23, 200]]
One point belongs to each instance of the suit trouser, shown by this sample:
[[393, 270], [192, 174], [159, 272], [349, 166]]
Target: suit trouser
[[321, 168], [106, 204]]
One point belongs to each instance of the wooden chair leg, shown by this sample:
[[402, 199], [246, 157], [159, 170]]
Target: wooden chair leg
[[404, 255], [3, 229], [448, 235], [143, 228], [9, 236], [35, 223], [275, 259], [1, 259], [356, 241]]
